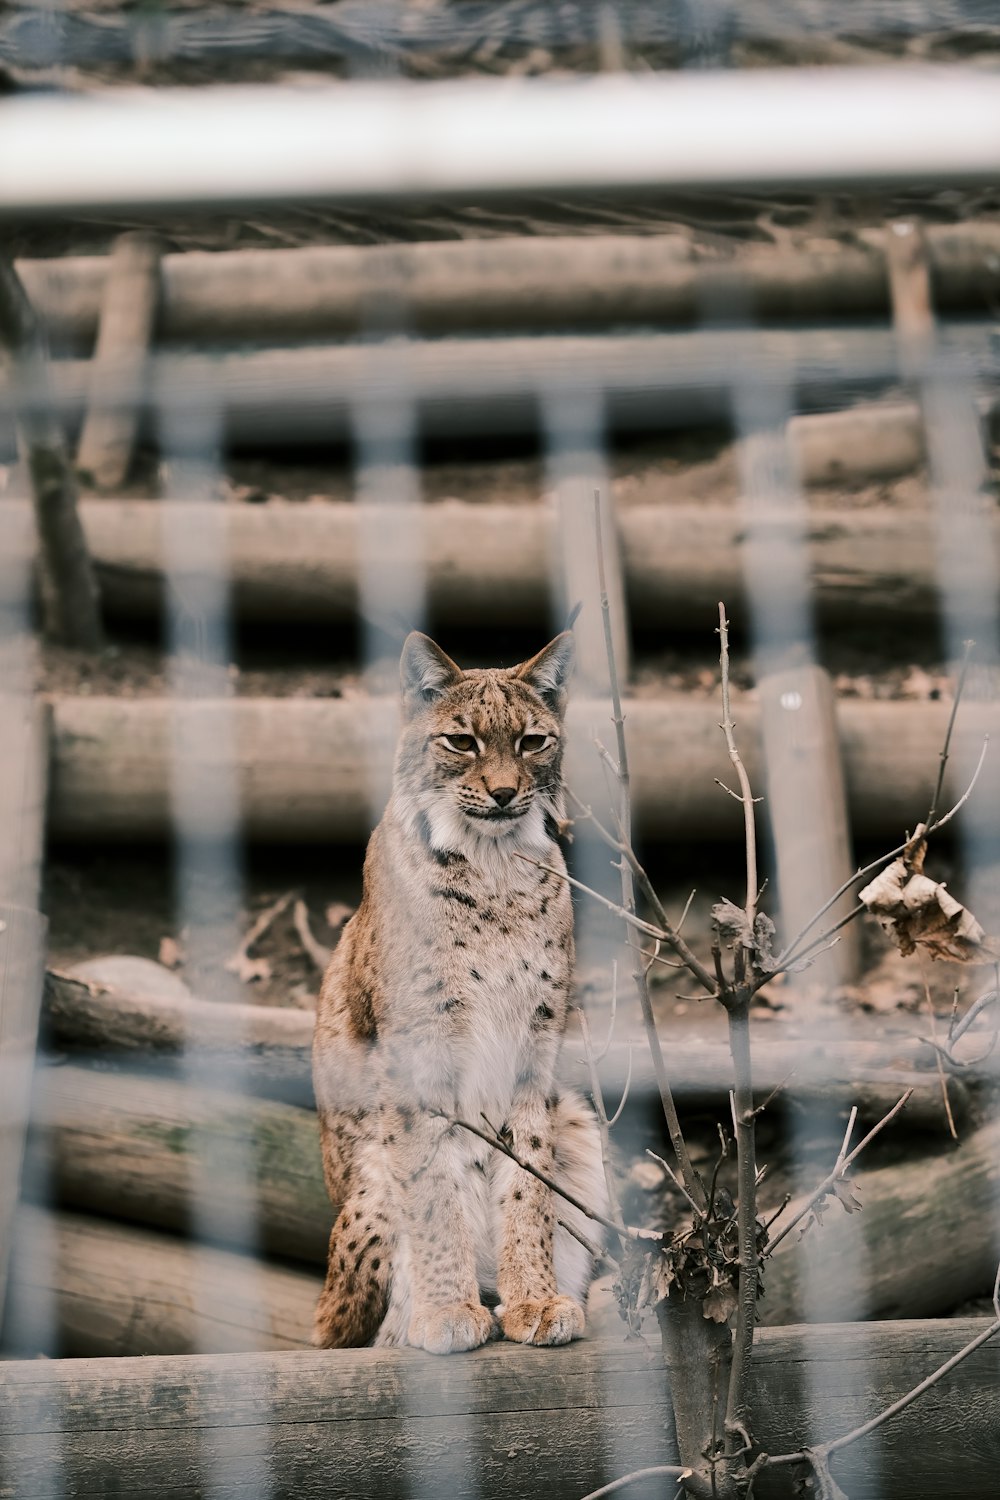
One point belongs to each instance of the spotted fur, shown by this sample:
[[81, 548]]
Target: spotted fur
[[446, 999]]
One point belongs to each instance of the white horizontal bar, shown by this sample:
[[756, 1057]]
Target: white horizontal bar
[[223, 146]]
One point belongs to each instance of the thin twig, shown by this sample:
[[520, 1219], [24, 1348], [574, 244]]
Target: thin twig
[[498, 1144], [594, 1250], [942, 1076], [746, 797], [613, 1121], [959, 686], [614, 1011], [239, 961], [676, 1181], [658, 1471], [841, 1166], [603, 1124], [834, 1446]]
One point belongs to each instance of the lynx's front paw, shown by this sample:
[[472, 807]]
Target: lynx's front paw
[[449, 1330], [552, 1320]]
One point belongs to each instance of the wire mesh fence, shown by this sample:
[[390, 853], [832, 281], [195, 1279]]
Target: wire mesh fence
[[163, 1185]]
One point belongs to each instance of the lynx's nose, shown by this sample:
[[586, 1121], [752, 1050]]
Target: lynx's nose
[[503, 794]]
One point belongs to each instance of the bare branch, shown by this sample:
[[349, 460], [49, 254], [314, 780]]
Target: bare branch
[[676, 1181], [499, 1144], [841, 1166], [746, 795], [593, 1249], [942, 1076], [658, 1471], [316, 950], [603, 1124], [628, 1083], [959, 687]]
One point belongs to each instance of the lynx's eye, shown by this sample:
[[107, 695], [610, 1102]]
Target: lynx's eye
[[532, 742], [463, 743]]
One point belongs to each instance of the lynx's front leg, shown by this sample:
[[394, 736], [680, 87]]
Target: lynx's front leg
[[532, 1311], [446, 1314]]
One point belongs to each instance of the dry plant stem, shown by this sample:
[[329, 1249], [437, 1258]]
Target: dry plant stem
[[942, 1076], [603, 1126], [842, 1165], [623, 819], [70, 596], [659, 1471], [746, 795], [494, 1140], [793, 950], [959, 688], [736, 999]]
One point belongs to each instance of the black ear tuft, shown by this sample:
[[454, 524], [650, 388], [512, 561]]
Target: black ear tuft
[[549, 672], [425, 671]]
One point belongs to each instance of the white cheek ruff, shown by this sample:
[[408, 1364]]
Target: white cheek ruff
[[488, 844]]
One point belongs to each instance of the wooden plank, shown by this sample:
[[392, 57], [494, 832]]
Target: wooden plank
[[302, 765], [874, 440], [807, 809], [324, 291], [377, 1423], [108, 1288], [128, 314]]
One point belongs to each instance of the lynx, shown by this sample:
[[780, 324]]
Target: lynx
[[446, 1000]]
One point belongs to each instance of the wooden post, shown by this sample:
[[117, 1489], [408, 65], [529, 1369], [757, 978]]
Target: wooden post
[[24, 748], [807, 806], [69, 590], [128, 314]]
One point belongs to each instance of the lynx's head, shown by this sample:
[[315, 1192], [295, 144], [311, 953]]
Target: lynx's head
[[480, 755]]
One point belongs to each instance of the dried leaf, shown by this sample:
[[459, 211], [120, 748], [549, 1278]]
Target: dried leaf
[[720, 1303], [170, 954], [917, 911], [763, 933], [731, 920], [337, 913], [844, 1192]]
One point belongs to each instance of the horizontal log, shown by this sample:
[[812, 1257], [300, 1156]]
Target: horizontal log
[[303, 768], [650, 380], [183, 1157], [926, 1237], [136, 1147], [390, 1424], [268, 1050], [300, 563], [446, 286], [107, 1288]]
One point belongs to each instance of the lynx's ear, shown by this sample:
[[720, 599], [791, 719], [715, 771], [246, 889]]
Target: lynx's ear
[[549, 672], [425, 672]]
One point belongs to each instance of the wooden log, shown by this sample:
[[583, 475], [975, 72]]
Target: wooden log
[[557, 281], [301, 765], [268, 1049], [128, 313], [522, 1421], [484, 386], [874, 440], [116, 1289], [299, 563], [935, 1217], [132, 1147], [129, 1146]]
